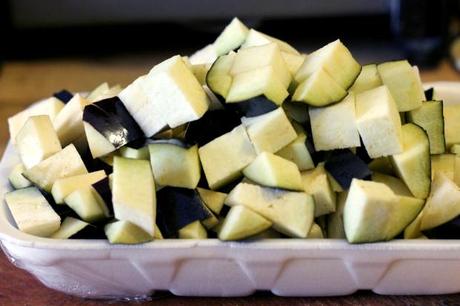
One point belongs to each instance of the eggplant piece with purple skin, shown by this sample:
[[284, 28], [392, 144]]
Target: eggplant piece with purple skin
[[212, 125], [178, 207], [252, 107], [62, 210], [448, 230], [343, 165], [95, 164], [316, 156], [109, 126], [102, 187], [63, 95], [90, 232], [429, 94], [361, 152]]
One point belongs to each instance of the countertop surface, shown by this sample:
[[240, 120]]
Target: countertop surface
[[22, 83]]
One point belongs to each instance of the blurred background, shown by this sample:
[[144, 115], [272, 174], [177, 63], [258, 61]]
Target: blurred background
[[49, 45]]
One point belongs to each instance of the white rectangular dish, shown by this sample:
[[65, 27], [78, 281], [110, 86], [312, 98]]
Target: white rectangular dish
[[288, 267]]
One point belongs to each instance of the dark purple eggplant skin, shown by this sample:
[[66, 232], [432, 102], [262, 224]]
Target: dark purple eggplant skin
[[63, 95], [429, 94], [111, 118], [90, 232], [302, 108], [448, 230], [212, 125], [361, 152], [95, 164], [178, 207], [343, 165], [102, 187], [316, 156], [252, 107], [62, 210]]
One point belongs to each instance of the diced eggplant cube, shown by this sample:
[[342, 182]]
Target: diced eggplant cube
[[231, 37], [65, 186], [378, 122], [413, 164], [316, 183], [172, 91], [257, 38], [319, 89], [37, 140], [298, 153], [65, 163], [69, 121], [69, 227], [32, 212], [273, 171], [214, 200], [138, 104], [133, 193], [368, 79], [109, 126], [173, 165], [224, 158], [404, 84], [87, 203], [241, 222], [50, 107], [253, 83], [125, 232], [17, 180], [336, 60], [268, 55], [270, 132], [373, 212], [290, 212], [442, 205], [334, 127], [194, 230]]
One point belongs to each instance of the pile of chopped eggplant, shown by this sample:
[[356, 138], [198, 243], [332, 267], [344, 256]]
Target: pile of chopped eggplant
[[246, 139]]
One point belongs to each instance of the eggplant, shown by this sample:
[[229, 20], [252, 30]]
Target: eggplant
[[171, 141], [94, 164], [212, 125], [297, 112], [178, 207], [228, 187], [74, 228], [90, 232], [448, 230], [316, 156], [31, 212], [103, 189], [110, 119], [361, 152], [63, 95], [429, 94], [343, 165], [252, 107]]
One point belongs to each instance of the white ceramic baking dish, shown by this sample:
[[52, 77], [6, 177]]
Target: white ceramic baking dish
[[289, 267]]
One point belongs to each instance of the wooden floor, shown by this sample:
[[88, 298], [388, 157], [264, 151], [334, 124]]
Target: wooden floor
[[22, 83]]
